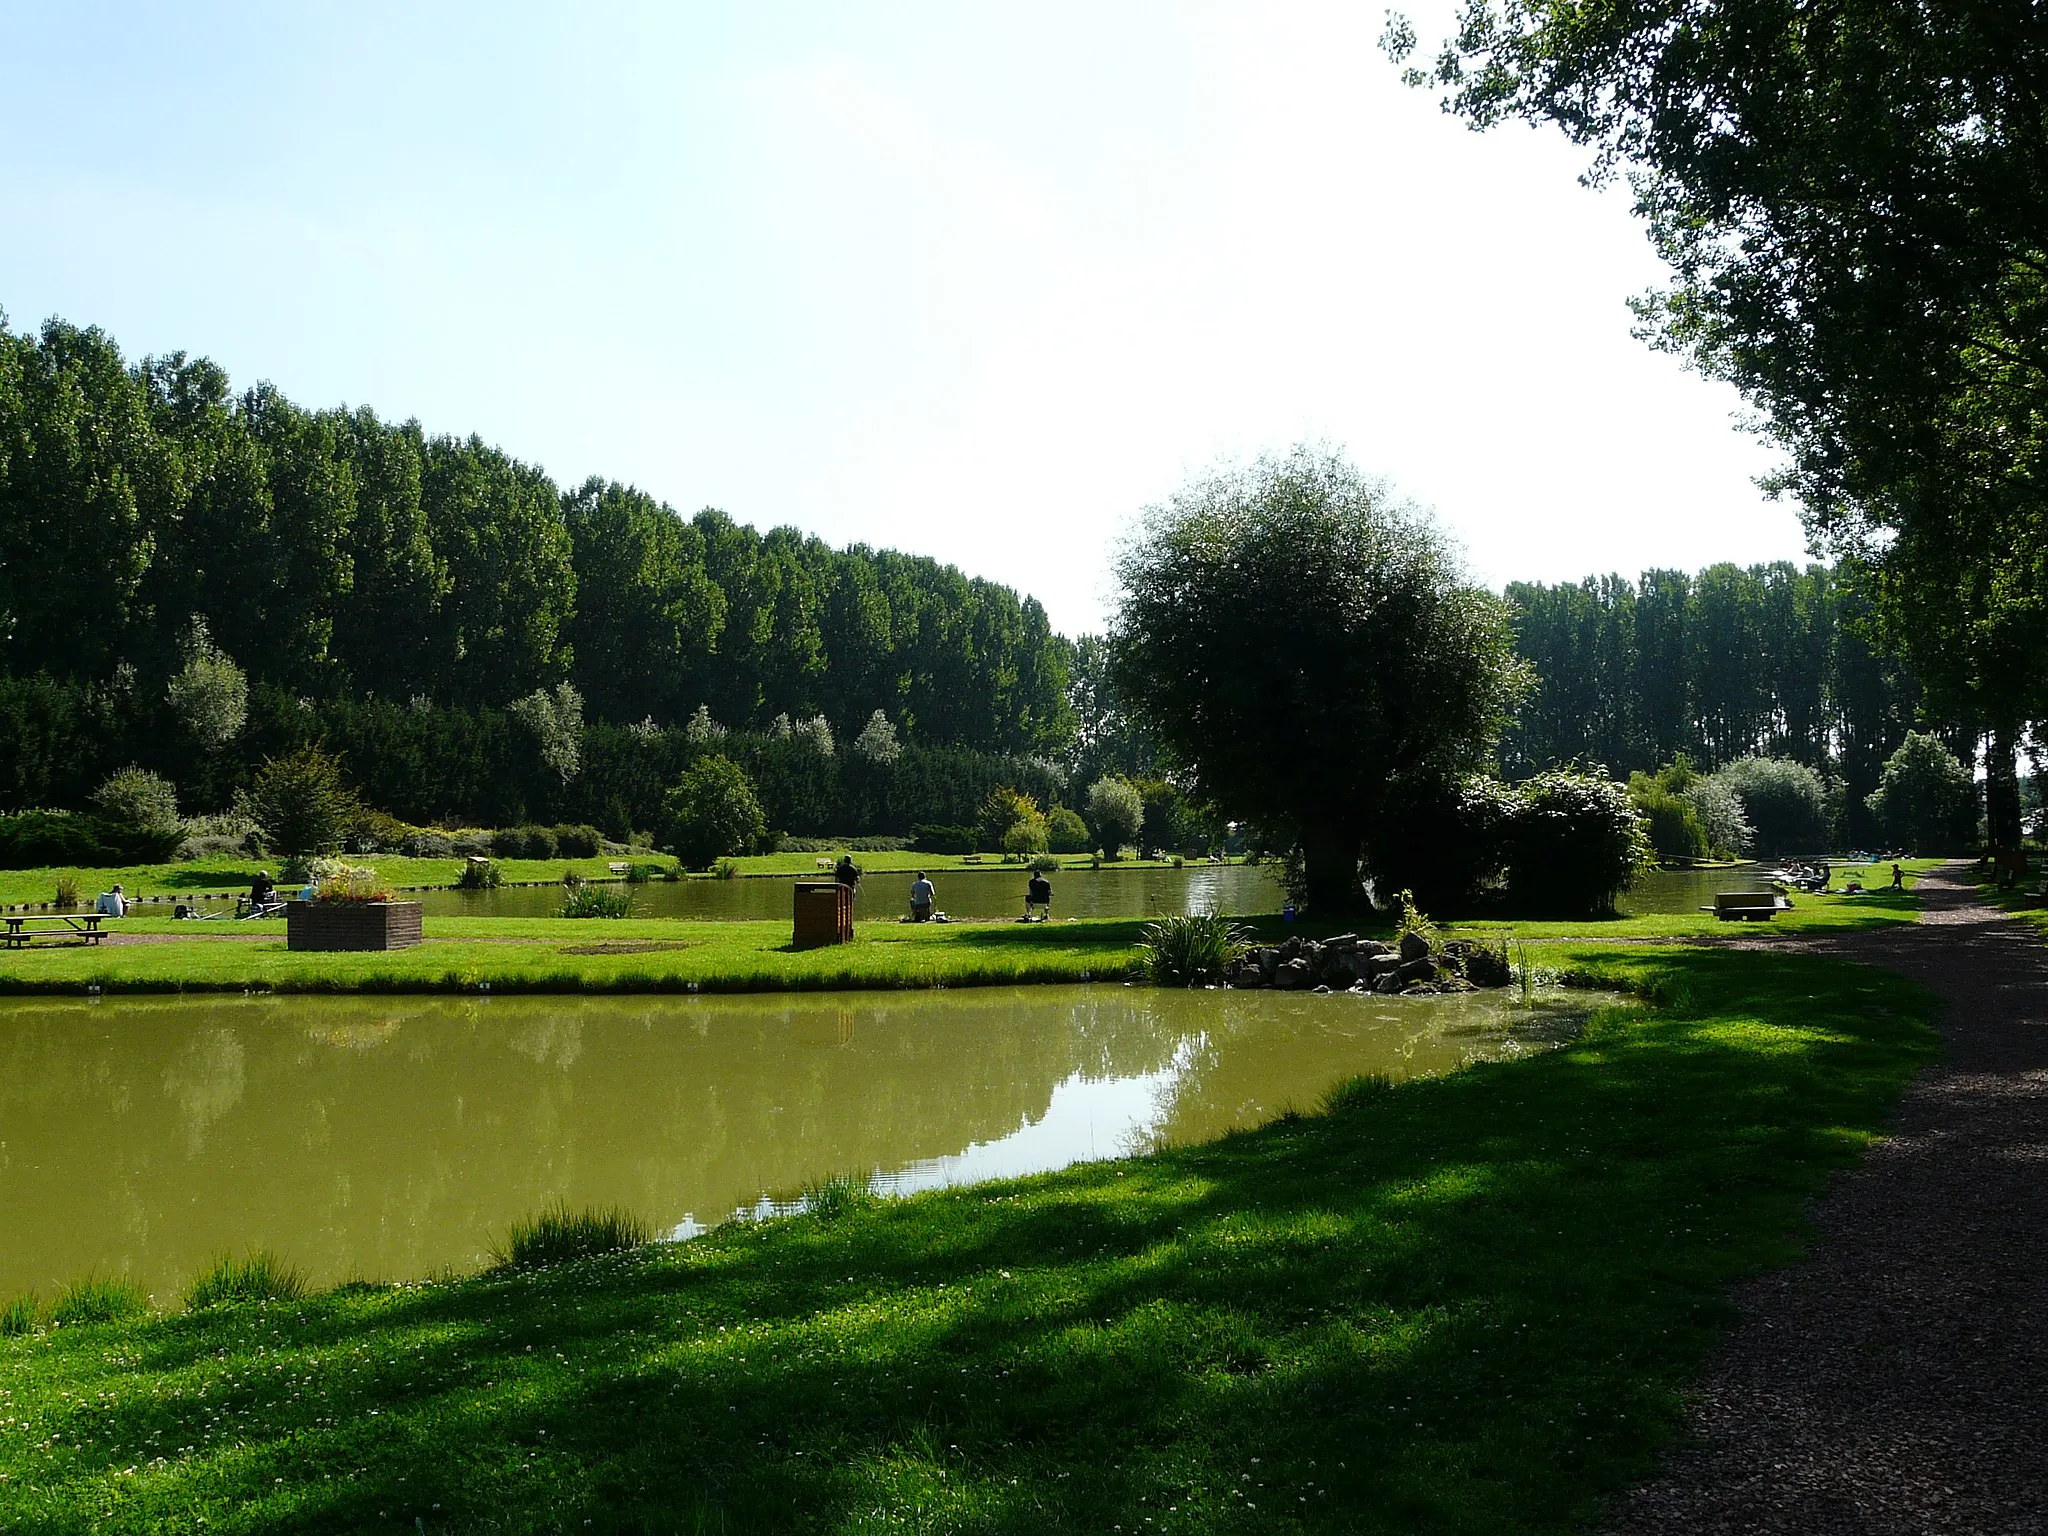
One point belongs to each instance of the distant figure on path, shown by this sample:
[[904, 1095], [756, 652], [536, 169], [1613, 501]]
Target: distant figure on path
[[1898, 878], [1038, 894], [921, 897]]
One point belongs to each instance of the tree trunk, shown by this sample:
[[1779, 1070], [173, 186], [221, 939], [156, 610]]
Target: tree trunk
[[2002, 814], [1329, 857]]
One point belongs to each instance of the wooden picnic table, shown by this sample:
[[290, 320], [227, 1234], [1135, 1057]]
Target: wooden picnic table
[[23, 931]]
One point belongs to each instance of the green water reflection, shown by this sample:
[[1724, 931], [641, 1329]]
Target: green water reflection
[[1686, 890], [393, 1138]]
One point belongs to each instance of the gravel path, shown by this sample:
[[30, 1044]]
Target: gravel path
[[1897, 1381]]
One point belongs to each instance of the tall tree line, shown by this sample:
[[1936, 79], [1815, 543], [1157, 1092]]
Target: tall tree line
[[337, 556], [1719, 664]]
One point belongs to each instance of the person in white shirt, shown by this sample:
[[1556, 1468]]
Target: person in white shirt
[[921, 897], [111, 903]]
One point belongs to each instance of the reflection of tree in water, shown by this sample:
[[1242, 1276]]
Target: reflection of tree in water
[[205, 1079]]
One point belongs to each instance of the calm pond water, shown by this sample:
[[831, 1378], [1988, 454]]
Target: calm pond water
[[390, 1138], [1686, 890], [1234, 888]]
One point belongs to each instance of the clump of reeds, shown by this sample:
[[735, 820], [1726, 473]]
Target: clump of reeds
[[1356, 1092], [559, 1234], [94, 1300], [596, 901], [840, 1195], [259, 1277], [19, 1315], [67, 892], [1190, 951]]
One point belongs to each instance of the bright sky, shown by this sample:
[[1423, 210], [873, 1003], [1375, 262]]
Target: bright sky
[[974, 282]]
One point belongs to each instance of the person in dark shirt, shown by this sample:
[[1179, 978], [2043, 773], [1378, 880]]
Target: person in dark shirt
[[1038, 895], [262, 891], [847, 873]]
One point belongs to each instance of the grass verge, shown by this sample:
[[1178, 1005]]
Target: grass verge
[[1467, 1304]]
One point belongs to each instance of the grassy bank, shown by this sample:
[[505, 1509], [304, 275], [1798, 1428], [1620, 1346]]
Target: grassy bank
[[233, 872], [1468, 1304], [469, 954], [465, 954]]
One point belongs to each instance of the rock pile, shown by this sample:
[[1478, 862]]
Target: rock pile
[[1348, 963]]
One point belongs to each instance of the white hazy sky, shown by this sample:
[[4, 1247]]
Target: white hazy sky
[[976, 282]]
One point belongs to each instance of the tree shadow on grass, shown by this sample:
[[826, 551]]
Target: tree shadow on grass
[[1462, 1304]]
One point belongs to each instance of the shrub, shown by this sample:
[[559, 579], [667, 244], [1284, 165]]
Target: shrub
[[555, 719], [480, 875], [524, 843], [1926, 799], [1669, 819], [578, 842], [1446, 843], [1411, 919], [1116, 810], [1786, 802], [136, 801], [1066, 831], [67, 891], [428, 845], [377, 831], [928, 838], [259, 1277], [94, 1300], [300, 804], [1044, 864], [351, 882], [596, 901], [726, 869], [33, 839], [712, 811], [1190, 951], [1002, 810], [558, 1235], [1722, 821], [1026, 835], [1575, 844]]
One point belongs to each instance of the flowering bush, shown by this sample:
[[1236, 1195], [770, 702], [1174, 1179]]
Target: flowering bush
[[349, 882]]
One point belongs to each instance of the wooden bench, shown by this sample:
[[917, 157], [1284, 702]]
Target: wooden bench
[[23, 931], [618, 867], [1746, 906]]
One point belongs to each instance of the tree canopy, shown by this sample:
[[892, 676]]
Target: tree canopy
[[1302, 644], [334, 554], [1852, 198]]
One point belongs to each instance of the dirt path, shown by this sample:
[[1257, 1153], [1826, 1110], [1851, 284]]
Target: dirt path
[[1897, 1381]]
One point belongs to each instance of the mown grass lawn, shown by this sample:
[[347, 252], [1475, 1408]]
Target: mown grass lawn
[[1468, 1304]]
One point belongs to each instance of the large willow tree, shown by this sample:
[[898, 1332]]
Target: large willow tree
[[1308, 651]]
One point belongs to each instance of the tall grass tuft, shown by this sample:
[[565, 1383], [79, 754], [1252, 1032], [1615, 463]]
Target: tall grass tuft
[[726, 869], [19, 1316], [1357, 1092], [596, 901], [1190, 951], [93, 1300], [480, 875], [67, 892], [558, 1235], [259, 1277], [840, 1195]]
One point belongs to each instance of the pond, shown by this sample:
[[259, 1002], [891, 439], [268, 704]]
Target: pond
[[1143, 892], [1686, 890], [395, 1137]]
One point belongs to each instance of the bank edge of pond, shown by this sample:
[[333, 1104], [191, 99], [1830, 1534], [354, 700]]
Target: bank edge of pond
[[1469, 1302]]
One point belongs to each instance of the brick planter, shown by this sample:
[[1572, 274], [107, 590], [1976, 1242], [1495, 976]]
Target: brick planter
[[351, 924]]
